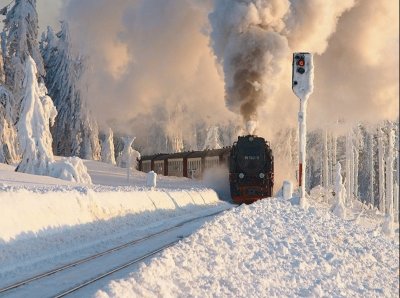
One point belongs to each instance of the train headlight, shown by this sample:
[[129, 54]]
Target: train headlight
[[262, 175], [241, 175]]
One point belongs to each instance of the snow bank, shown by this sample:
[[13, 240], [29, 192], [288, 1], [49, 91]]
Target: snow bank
[[270, 248], [30, 212]]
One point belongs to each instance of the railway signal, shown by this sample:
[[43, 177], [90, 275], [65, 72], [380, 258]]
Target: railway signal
[[302, 86]]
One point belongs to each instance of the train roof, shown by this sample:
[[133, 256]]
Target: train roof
[[153, 156], [163, 156], [187, 154], [179, 155], [217, 152]]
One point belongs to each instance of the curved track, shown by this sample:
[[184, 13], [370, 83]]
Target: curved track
[[18, 288]]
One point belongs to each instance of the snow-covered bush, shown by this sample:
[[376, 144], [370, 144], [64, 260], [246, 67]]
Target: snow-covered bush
[[287, 190], [338, 207], [151, 179], [387, 227], [128, 155], [107, 148], [70, 169]]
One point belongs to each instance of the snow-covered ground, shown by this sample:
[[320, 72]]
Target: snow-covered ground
[[46, 221], [270, 248]]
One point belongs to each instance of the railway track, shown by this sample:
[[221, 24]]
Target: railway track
[[143, 254], [112, 271]]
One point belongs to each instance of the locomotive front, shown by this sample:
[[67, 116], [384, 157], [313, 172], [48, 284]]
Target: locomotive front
[[251, 169]]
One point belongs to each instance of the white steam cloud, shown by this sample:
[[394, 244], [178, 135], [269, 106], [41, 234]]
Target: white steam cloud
[[152, 69], [153, 62]]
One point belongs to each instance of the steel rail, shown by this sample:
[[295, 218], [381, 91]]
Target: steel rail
[[116, 269]]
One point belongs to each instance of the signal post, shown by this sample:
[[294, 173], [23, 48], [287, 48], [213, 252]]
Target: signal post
[[302, 86]]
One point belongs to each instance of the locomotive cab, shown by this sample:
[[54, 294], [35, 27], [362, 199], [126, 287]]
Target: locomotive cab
[[251, 169]]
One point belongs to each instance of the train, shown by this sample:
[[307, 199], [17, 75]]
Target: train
[[251, 169], [249, 160]]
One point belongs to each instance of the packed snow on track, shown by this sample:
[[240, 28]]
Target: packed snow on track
[[271, 248], [46, 221]]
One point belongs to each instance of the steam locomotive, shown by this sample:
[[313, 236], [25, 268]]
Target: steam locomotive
[[249, 160], [251, 169]]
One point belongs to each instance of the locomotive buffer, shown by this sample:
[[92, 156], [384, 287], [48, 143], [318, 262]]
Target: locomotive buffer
[[302, 85]]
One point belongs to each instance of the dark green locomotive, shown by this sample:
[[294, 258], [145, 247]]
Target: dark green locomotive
[[251, 169]]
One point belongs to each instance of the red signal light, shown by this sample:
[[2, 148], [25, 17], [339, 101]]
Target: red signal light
[[300, 62]]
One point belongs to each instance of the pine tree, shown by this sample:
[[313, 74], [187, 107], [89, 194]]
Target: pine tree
[[19, 42], [8, 133], [75, 132], [37, 112]]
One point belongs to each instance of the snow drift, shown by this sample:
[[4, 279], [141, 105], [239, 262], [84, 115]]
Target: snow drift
[[270, 249]]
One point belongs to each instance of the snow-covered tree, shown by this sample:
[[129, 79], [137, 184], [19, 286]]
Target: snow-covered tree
[[339, 208], [75, 132], [326, 171], [129, 156], [20, 33], [389, 172], [8, 134], [212, 139], [381, 163], [349, 169], [388, 225], [371, 169], [37, 112], [107, 148]]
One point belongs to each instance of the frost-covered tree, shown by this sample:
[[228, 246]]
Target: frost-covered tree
[[107, 148], [37, 112], [349, 168], [19, 42], [212, 139], [339, 208], [128, 156], [326, 171], [371, 169], [381, 161], [8, 133], [75, 132], [389, 171]]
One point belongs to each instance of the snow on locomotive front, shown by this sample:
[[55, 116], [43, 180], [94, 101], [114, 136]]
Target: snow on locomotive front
[[251, 169]]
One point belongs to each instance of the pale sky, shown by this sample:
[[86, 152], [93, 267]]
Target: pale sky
[[48, 11]]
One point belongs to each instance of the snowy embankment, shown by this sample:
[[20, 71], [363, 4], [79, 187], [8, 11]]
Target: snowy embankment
[[28, 212], [271, 248], [47, 221]]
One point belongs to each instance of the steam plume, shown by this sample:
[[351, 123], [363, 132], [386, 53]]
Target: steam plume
[[253, 39]]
